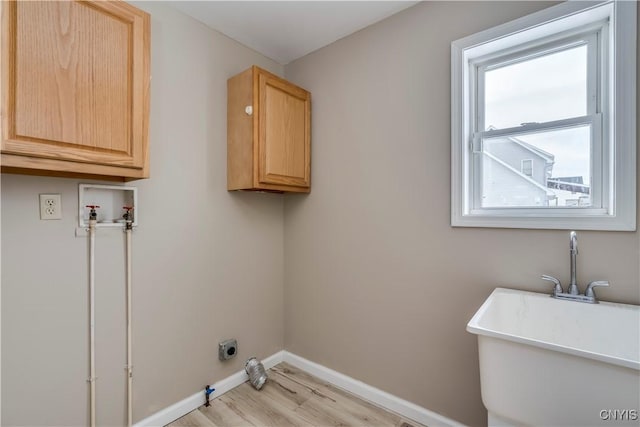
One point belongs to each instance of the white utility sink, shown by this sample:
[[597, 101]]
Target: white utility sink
[[550, 362]]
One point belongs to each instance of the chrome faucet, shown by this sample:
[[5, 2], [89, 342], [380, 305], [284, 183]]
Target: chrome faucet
[[573, 294], [573, 251]]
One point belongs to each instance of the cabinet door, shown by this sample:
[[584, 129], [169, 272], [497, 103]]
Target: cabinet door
[[75, 81], [284, 132]]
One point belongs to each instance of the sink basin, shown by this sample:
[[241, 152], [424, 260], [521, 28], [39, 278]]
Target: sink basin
[[549, 362]]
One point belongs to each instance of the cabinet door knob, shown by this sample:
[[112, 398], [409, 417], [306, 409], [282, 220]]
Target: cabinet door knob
[[249, 110]]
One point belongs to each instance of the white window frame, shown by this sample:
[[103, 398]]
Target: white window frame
[[612, 119]]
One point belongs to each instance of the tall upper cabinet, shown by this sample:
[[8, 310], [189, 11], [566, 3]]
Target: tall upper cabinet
[[268, 133], [75, 88]]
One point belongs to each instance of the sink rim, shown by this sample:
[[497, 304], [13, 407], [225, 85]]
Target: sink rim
[[474, 327]]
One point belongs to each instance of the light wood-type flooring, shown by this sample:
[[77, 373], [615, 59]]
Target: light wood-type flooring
[[290, 397]]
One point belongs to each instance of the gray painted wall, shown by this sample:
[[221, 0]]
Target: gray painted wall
[[377, 284], [208, 264]]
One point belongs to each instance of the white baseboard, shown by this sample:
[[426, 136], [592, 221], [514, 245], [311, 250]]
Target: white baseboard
[[374, 395], [364, 391], [177, 410]]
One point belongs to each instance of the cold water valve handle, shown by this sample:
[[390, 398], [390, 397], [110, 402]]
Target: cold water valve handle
[[128, 217], [207, 391], [598, 283]]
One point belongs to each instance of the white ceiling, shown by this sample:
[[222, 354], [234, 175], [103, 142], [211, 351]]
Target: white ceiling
[[287, 30]]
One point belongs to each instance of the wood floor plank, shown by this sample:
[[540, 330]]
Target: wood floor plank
[[221, 415], [318, 414], [291, 398], [359, 409], [287, 393], [339, 412], [254, 406], [192, 419]]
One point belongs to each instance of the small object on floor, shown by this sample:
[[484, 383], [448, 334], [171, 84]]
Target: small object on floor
[[406, 425], [256, 372]]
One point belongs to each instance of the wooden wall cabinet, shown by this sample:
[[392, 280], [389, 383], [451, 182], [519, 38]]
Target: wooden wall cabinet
[[75, 89], [268, 133]]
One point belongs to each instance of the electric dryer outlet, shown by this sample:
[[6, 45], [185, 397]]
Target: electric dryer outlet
[[227, 349]]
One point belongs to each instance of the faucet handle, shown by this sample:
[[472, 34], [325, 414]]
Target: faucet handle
[[557, 288], [598, 283]]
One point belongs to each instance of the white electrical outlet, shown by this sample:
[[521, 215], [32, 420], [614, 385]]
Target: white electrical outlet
[[50, 206]]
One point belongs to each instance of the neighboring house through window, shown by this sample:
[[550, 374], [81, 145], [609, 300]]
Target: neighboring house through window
[[543, 120]]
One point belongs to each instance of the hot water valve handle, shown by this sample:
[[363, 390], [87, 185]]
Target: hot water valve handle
[[93, 215]]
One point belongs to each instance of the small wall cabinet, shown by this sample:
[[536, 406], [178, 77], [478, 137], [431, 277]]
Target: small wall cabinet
[[268, 133], [75, 89]]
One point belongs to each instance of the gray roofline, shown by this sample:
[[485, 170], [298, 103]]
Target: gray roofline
[[550, 158]]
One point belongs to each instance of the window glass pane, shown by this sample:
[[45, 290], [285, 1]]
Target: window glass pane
[[542, 169], [542, 89]]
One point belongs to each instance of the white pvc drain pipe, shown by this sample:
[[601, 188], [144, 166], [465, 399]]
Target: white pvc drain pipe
[[129, 366], [92, 316]]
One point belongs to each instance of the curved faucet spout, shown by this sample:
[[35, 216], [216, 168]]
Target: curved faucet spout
[[572, 293], [573, 251]]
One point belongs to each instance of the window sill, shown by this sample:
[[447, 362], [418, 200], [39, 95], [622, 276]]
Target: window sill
[[560, 222]]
